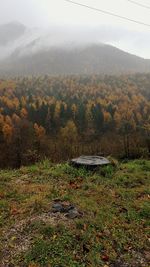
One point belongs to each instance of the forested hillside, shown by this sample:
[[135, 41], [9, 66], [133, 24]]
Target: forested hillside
[[65, 116]]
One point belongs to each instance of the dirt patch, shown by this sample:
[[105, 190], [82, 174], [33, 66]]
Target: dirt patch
[[138, 259], [17, 240]]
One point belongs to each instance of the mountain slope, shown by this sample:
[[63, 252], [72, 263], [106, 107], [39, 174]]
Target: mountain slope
[[94, 59], [25, 51]]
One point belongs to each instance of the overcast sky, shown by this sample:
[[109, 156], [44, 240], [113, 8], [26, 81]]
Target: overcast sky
[[48, 13]]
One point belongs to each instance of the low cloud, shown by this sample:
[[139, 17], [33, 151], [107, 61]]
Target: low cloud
[[35, 39]]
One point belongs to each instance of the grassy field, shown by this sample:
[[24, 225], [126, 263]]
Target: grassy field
[[112, 229]]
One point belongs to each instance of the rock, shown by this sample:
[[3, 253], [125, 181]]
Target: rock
[[68, 209], [62, 207], [90, 161], [73, 213], [57, 207]]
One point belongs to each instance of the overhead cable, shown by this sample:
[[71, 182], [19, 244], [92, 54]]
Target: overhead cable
[[138, 4], [108, 13]]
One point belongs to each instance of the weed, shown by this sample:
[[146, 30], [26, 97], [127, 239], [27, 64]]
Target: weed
[[107, 171]]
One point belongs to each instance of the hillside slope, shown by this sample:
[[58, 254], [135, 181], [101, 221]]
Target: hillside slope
[[56, 51], [92, 59], [104, 220]]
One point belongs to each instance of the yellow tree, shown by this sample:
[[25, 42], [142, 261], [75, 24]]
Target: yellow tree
[[125, 122], [69, 137], [39, 131], [7, 130], [23, 113], [40, 135], [74, 110], [1, 120]]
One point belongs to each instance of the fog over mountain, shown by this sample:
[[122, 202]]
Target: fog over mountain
[[64, 50], [10, 32]]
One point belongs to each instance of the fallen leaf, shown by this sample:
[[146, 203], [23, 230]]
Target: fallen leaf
[[13, 238], [54, 237], [14, 211], [105, 257]]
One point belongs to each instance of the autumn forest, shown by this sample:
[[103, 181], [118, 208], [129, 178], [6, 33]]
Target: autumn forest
[[66, 116]]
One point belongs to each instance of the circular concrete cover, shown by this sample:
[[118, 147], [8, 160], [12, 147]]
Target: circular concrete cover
[[90, 161]]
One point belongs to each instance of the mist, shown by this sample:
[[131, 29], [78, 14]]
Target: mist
[[34, 39], [59, 23]]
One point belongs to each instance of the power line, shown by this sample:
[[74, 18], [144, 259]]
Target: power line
[[108, 13], [138, 4]]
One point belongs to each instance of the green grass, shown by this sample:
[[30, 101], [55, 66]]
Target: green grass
[[113, 201]]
